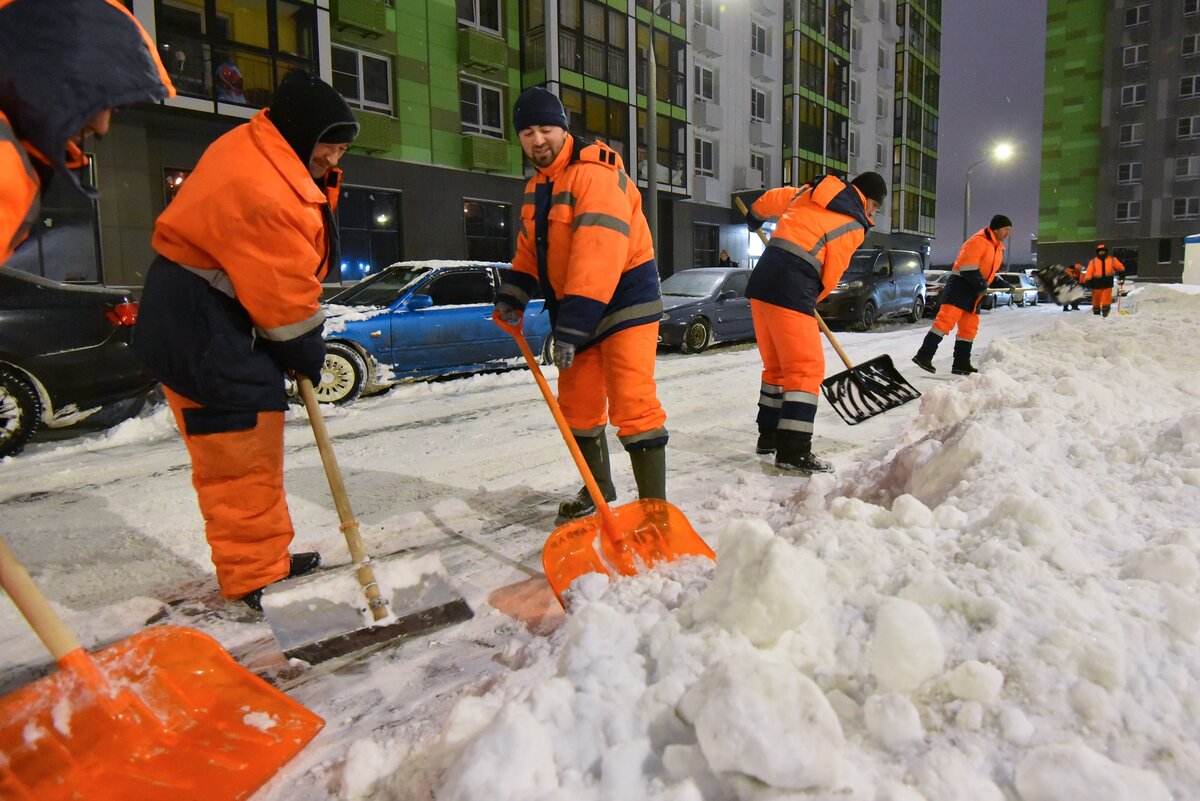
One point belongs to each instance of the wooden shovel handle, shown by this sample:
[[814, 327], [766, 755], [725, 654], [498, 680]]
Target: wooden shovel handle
[[358, 553], [48, 626], [824, 328]]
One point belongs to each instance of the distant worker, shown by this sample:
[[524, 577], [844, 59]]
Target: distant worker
[[820, 226], [64, 67], [1099, 278], [1075, 273], [586, 244], [978, 262], [725, 261]]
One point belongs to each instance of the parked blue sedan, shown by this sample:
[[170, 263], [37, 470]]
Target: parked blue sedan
[[705, 305], [420, 319]]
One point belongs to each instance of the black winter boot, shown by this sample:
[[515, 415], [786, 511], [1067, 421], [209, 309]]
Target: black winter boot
[[924, 357], [595, 453], [300, 564], [650, 471], [795, 454], [962, 358], [766, 442]]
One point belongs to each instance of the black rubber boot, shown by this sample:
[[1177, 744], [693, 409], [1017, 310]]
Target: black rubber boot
[[962, 358], [595, 453], [650, 471], [300, 564], [766, 442], [924, 357], [795, 454]]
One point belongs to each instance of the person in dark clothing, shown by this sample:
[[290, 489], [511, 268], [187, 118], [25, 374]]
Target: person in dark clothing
[[725, 261]]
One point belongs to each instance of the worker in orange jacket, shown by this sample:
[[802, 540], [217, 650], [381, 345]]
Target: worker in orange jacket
[[1075, 273], [231, 304], [820, 226], [979, 259], [585, 242], [1099, 278], [64, 66]]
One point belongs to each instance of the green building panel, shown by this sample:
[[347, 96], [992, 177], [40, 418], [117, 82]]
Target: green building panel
[[1074, 86]]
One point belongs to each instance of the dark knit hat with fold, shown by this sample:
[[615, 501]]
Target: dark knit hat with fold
[[538, 106], [872, 185], [1000, 221], [306, 110]]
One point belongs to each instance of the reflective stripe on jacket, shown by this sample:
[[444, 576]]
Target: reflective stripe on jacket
[[585, 241], [20, 190]]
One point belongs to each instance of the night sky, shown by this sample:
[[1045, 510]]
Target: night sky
[[992, 59]]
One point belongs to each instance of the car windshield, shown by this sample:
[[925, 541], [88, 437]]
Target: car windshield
[[1012, 278], [691, 284], [383, 288], [861, 264]]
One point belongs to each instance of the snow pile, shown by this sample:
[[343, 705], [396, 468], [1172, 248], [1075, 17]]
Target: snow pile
[[1002, 606]]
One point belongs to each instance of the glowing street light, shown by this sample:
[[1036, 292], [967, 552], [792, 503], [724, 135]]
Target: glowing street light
[[1001, 152]]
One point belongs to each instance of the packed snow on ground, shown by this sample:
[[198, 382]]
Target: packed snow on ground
[[994, 597]]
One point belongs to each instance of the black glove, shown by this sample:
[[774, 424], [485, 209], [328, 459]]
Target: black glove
[[753, 222], [304, 355], [564, 354]]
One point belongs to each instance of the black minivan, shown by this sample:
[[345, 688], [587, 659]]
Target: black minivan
[[878, 283]]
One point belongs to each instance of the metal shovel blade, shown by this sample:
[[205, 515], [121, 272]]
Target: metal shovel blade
[[649, 531], [325, 615], [867, 389], [168, 716]]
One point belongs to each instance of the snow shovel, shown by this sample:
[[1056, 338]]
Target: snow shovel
[[163, 715], [617, 541], [369, 603], [863, 391]]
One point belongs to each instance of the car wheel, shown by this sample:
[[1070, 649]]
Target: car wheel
[[548, 350], [866, 320], [1035, 301], [918, 310], [115, 413], [344, 375], [20, 412], [696, 337]]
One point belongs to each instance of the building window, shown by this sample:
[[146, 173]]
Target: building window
[[883, 62], [597, 117], [1187, 167], [758, 39], [856, 39], [1164, 251], [1137, 15], [369, 232], [881, 107], [707, 12], [1129, 173], [1190, 45], [1186, 208], [480, 107], [234, 52], [880, 153], [854, 91], [365, 80], [853, 143], [483, 14], [592, 40], [705, 240], [1191, 7], [1133, 134], [1133, 95], [1131, 210], [758, 105], [1188, 128], [706, 83], [759, 162], [1189, 86], [487, 231], [706, 159], [883, 11], [1135, 55]]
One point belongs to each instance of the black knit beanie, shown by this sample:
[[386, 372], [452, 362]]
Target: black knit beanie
[[538, 106], [872, 185], [306, 110], [1000, 221]]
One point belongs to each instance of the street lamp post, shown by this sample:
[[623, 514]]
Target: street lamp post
[[1002, 152], [652, 129]]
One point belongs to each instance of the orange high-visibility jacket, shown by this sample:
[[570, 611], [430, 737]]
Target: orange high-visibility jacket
[[585, 241], [1099, 269], [821, 225], [982, 253], [61, 63]]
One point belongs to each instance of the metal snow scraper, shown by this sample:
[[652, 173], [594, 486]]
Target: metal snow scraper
[[163, 715], [338, 611], [861, 391], [620, 541]]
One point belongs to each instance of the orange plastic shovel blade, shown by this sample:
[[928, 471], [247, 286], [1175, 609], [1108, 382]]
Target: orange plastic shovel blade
[[183, 721], [649, 531]]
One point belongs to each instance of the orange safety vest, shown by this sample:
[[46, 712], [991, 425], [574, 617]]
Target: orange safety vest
[[1103, 268], [982, 253], [20, 190]]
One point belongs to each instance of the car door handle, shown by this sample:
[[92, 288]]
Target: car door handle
[[376, 334]]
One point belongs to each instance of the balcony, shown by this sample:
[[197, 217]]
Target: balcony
[[484, 153], [367, 17], [481, 52], [746, 178], [706, 40], [706, 189], [376, 132], [706, 114], [759, 67]]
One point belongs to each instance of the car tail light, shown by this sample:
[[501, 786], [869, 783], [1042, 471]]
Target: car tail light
[[123, 314]]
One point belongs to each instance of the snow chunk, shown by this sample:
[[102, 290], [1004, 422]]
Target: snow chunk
[[1069, 772], [893, 721], [512, 760], [1171, 564], [975, 681], [906, 649], [765, 719]]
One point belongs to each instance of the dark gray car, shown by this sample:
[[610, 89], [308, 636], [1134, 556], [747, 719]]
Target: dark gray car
[[705, 305], [878, 283]]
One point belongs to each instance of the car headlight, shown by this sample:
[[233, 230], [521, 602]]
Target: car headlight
[[850, 285]]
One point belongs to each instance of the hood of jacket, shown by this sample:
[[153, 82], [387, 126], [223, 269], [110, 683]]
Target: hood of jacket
[[62, 62]]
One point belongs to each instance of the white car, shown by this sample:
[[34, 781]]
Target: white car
[[1023, 289]]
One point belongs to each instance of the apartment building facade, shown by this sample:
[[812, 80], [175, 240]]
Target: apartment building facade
[[1121, 134], [746, 97]]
